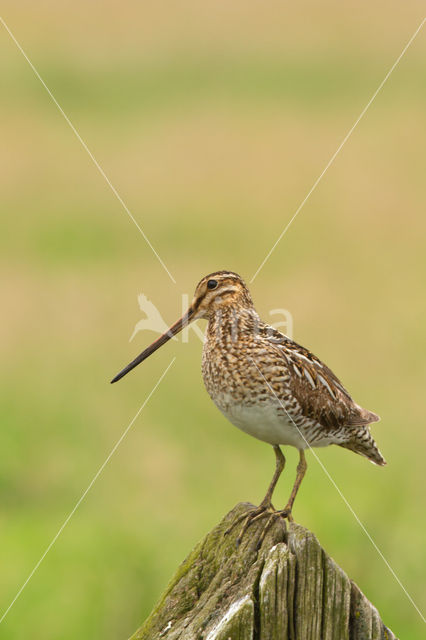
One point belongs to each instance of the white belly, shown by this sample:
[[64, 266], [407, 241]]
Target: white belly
[[264, 423]]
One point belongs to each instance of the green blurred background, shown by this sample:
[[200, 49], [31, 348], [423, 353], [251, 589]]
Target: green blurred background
[[212, 120]]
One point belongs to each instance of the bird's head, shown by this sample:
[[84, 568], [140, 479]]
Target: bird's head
[[214, 293], [219, 290]]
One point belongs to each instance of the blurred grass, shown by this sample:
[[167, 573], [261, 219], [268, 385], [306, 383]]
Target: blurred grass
[[212, 122]]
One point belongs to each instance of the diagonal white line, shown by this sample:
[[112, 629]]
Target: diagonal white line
[[339, 148], [78, 503], [344, 498], [86, 148]]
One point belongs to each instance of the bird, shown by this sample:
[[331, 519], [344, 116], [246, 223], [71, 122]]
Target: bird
[[269, 386]]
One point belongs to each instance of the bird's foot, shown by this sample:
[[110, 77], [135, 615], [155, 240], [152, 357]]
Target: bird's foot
[[286, 514], [264, 510], [254, 514], [282, 515]]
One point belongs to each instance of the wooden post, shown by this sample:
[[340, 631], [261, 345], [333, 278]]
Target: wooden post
[[289, 589]]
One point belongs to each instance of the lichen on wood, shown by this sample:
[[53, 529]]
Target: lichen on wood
[[288, 589]]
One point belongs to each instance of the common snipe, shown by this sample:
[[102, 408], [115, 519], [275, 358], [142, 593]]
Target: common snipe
[[267, 385]]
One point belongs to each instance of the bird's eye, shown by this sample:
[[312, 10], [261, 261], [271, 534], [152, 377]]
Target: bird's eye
[[212, 284]]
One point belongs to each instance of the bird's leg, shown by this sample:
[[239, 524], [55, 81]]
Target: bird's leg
[[265, 506], [279, 466], [286, 512], [301, 470]]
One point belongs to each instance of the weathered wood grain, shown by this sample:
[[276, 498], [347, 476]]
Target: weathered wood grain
[[289, 589]]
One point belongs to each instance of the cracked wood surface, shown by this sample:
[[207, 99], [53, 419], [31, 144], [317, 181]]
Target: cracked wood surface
[[289, 589]]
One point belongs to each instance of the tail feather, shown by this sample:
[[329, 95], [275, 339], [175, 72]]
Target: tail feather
[[364, 444], [372, 417]]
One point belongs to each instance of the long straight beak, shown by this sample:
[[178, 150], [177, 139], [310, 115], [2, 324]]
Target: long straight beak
[[174, 329]]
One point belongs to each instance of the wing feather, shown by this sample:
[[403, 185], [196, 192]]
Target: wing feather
[[319, 393]]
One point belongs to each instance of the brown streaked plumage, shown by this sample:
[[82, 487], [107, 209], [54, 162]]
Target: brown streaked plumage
[[268, 385]]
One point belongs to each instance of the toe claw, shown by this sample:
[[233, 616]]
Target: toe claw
[[286, 514]]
